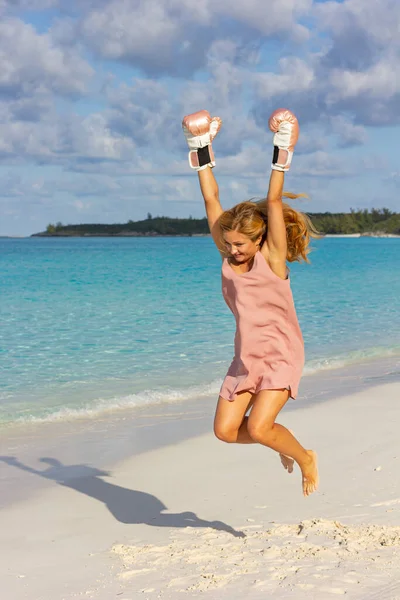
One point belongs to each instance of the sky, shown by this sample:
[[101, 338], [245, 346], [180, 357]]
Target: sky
[[93, 92]]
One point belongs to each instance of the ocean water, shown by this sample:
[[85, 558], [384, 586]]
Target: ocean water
[[94, 324]]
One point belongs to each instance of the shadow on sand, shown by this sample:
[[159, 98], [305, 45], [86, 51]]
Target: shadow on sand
[[127, 506]]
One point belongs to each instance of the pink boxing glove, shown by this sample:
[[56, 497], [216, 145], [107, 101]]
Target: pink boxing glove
[[200, 130], [286, 128]]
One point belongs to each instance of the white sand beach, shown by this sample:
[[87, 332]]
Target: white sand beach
[[150, 505]]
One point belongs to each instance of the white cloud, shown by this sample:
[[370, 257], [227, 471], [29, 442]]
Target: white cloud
[[146, 112], [324, 164], [380, 81], [93, 139], [348, 133], [379, 20], [36, 64], [109, 31], [179, 189], [61, 140], [267, 18], [249, 162], [161, 36], [12, 6], [295, 76], [355, 73], [359, 71]]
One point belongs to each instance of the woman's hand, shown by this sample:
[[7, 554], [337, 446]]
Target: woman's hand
[[200, 130], [286, 128]]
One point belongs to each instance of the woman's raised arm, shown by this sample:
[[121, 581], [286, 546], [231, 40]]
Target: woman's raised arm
[[286, 128], [200, 130], [209, 189]]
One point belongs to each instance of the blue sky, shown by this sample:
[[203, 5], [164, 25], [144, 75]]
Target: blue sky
[[92, 95]]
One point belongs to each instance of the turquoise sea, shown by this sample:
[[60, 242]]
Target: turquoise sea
[[93, 324]]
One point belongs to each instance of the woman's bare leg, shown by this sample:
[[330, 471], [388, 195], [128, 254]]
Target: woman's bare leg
[[230, 423], [228, 414], [262, 428]]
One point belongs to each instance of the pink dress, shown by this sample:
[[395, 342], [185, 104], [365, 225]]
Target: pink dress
[[269, 347]]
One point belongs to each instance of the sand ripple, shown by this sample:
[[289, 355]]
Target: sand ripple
[[314, 556]]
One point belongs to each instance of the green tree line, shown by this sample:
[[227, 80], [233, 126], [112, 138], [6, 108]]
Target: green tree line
[[380, 220]]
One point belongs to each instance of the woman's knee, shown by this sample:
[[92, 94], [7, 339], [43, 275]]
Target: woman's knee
[[262, 433], [229, 416], [225, 432]]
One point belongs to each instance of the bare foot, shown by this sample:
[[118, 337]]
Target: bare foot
[[287, 462], [310, 474]]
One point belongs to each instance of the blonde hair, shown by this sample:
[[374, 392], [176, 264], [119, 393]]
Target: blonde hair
[[251, 219]]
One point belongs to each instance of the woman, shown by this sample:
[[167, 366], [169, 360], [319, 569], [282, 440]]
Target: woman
[[255, 240]]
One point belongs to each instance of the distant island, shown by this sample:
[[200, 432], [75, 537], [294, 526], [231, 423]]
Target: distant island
[[374, 222]]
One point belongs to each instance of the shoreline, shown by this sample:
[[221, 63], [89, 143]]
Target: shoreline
[[361, 235], [156, 235], [120, 434], [106, 402], [155, 505], [367, 366]]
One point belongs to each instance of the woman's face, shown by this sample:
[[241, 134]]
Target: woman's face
[[240, 247]]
